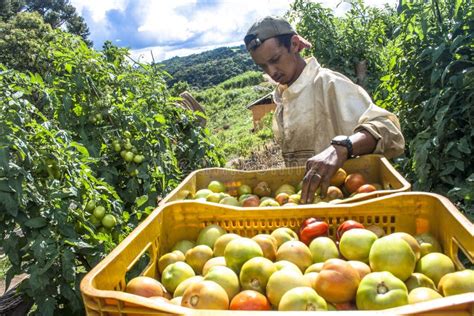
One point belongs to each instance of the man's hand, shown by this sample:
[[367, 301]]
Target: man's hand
[[320, 169]]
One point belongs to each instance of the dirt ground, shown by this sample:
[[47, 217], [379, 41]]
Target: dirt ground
[[266, 157]]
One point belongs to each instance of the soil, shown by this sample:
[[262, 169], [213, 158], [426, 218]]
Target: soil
[[266, 157]]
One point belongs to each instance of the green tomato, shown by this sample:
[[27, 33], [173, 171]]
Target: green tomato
[[381, 290], [134, 173], [103, 230], [90, 206], [109, 221], [129, 156], [123, 153], [99, 212], [138, 158], [117, 147], [216, 186], [99, 117], [127, 134], [94, 221], [127, 146], [115, 141]]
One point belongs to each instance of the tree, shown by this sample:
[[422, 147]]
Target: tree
[[57, 13], [352, 44], [9, 8], [21, 38]]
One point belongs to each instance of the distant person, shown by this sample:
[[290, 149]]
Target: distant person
[[322, 118]]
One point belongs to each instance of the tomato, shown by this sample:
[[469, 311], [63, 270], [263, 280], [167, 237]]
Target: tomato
[[128, 156], [99, 212], [347, 225], [127, 146], [366, 188], [94, 221], [138, 158], [103, 230], [134, 173], [353, 181], [117, 147], [312, 228], [251, 301], [308, 221], [109, 221], [123, 153], [90, 206], [127, 134]]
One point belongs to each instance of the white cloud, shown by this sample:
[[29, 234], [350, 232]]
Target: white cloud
[[163, 22], [184, 26], [159, 53], [98, 8], [178, 21]]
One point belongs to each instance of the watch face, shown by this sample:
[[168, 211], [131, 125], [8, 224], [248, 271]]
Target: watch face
[[340, 138]]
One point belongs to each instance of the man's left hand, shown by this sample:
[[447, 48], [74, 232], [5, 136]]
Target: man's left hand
[[319, 170]]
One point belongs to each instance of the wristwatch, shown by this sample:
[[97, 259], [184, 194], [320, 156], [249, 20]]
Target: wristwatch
[[345, 141]]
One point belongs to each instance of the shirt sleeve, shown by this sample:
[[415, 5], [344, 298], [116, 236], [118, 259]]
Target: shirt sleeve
[[385, 128], [354, 104]]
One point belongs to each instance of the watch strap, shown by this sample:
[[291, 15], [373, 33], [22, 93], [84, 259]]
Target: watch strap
[[346, 143]]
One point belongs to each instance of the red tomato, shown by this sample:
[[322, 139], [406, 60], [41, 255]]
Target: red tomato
[[250, 301], [312, 228], [347, 225]]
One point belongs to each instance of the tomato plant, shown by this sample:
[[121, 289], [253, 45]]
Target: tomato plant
[[429, 82], [88, 145]]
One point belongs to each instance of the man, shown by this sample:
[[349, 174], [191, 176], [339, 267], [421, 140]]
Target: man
[[322, 118]]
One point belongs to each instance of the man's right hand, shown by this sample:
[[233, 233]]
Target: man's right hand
[[319, 170]]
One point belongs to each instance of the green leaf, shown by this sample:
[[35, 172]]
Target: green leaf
[[470, 178], [4, 159], [82, 149], [459, 165], [160, 118], [437, 52], [9, 203], [141, 200], [463, 146], [67, 265], [36, 222]]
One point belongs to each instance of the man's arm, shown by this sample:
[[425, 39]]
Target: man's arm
[[320, 168], [376, 130]]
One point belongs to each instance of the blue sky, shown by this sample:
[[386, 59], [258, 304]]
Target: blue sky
[[180, 27]]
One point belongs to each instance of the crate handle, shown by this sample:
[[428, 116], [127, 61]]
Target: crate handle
[[456, 246]]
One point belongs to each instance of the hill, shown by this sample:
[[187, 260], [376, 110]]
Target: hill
[[209, 68], [230, 122]]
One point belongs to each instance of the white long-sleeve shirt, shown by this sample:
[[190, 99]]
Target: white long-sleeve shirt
[[322, 104]]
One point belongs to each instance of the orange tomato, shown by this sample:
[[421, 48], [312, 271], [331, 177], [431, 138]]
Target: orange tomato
[[353, 182], [366, 188], [250, 301]]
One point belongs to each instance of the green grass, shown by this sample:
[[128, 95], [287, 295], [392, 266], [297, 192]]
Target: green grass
[[229, 120]]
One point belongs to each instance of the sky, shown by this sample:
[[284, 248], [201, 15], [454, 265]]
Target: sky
[[161, 29]]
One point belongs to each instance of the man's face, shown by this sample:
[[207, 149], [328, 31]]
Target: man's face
[[276, 61]]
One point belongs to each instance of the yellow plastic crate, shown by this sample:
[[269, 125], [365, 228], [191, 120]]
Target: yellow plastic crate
[[411, 212], [375, 168]]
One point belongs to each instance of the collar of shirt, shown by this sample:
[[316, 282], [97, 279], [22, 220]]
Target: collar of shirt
[[306, 77]]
